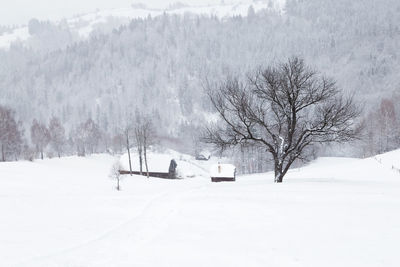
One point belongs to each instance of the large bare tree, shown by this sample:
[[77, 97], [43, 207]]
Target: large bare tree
[[285, 109]]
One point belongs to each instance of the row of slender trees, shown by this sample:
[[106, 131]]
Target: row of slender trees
[[85, 138], [140, 132]]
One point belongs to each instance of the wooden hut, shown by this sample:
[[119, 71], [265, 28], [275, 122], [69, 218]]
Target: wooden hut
[[223, 173]]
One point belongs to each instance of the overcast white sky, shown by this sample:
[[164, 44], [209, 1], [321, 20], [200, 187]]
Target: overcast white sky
[[20, 11]]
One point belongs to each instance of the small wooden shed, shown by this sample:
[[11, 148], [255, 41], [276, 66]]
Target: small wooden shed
[[223, 173]]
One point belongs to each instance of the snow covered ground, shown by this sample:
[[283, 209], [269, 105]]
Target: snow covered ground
[[333, 212]]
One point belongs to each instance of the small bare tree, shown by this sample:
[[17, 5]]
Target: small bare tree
[[40, 136], [285, 109], [115, 173], [87, 136], [10, 133], [117, 143], [92, 135], [57, 135]]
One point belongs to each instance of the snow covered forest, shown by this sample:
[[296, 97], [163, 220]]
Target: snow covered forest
[[86, 88]]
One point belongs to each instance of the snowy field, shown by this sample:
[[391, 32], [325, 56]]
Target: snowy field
[[334, 212]]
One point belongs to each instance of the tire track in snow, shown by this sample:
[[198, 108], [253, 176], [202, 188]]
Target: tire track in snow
[[145, 213], [158, 227]]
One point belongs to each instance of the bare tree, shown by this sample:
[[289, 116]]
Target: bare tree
[[57, 135], [148, 139], [285, 109], [138, 132], [115, 173], [118, 142], [10, 133], [127, 135], [40, 136], [77, 138], [382, 128], [144, 138], [87, 136], [388, 125], [92, 135]]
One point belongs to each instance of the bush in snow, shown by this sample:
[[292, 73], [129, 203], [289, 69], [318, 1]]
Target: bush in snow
[[115, 174]]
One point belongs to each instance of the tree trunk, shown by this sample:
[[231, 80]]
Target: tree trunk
[[41, 153], [278, 176], [106, 145], [140, 161], [118, 188], [3, 156], [278, 173], [145, 161], [281, 170], [129, 155]]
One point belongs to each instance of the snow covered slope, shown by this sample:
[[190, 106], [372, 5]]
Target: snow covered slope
[[333, 212], [390, 160], [84, 25], [160, 159], [18, 34]]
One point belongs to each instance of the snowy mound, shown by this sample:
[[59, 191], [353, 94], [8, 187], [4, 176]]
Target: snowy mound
[[390, 159]]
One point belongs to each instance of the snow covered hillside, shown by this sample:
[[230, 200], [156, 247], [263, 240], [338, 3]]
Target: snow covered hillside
[[66, 212], [84, 25]]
